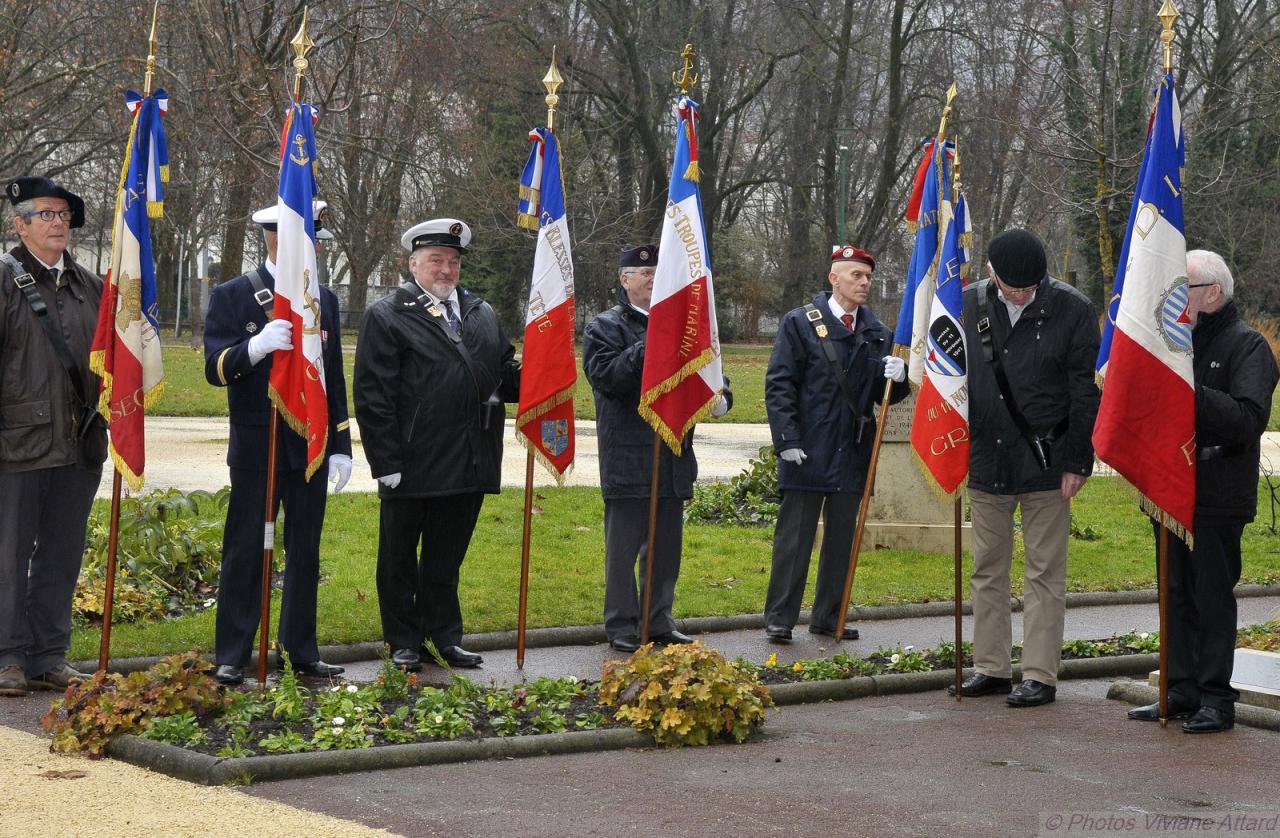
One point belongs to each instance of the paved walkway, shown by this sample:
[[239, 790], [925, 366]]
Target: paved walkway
[[918, 764], [191, 453]]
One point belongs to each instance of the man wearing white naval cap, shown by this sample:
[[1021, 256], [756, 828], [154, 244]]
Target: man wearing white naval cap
[[433, 367]]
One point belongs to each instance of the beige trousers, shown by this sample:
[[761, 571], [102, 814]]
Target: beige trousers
[[1046, 524]]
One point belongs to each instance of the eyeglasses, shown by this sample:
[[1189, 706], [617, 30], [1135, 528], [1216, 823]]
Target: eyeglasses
[[1200, 284], [47, 215]]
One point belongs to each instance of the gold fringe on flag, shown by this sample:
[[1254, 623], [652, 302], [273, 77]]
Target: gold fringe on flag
[[692, 173], [649, 397], [527, 222], [1161, 517]]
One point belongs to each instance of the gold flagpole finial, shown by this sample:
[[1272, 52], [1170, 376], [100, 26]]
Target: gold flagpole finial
[[552, 81], [302, 44], [1168, 16], [151, 52], [684, 80], [946, 112]]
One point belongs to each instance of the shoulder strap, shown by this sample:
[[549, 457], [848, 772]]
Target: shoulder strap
[[261, 292], [814, 316], [27, 284], [991, 351]]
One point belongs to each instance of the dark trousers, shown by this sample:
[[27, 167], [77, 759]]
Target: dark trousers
[[43, 514], [240, 577], [421, 545], [626, 536], [793, 545], [1202, 617]]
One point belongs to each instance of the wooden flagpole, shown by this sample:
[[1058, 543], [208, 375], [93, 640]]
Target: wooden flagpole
[[301, 44], [959, 572], [551, 81], [649, 548], [113, 538]]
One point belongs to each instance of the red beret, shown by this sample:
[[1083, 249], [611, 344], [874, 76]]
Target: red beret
[[849, 253]]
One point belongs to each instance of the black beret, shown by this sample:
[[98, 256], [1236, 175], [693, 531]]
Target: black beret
[[638, 256], [28, 188], [1017, 257]]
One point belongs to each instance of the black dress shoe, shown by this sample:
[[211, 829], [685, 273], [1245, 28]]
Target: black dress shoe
[[978, 684], [1151, 712], [460, 657], [229, 675], [849, 633], [318, 669], [777, 634], [1032, 694], [407, 659], [670, 638], [1210, 720], [625, 643]]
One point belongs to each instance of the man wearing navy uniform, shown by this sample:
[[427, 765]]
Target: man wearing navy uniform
[[433, 368], [821, 388], [239, 338]]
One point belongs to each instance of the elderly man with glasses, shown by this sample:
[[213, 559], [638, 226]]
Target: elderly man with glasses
[[1033, 342], [52, 443]]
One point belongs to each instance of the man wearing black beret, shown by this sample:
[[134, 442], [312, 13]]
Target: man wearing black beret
[[52, 443], [1032, 402], [613, 359]]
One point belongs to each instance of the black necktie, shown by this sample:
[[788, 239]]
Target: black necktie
[[57, 279], [452, 318]]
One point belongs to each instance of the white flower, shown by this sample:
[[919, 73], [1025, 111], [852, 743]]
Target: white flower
[[352, 688], [337, 731], [1145, 635], [439, 719], [572, 679], [895, 658], [334, 688], [908, 648], [339, 721]]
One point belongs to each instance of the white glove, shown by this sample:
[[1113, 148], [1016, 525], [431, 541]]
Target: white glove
[[339, 471], [794, 455], [720, 406], [391, 480], [895, 369], [277, 334]]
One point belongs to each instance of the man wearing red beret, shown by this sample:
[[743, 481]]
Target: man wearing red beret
[[825, 376]]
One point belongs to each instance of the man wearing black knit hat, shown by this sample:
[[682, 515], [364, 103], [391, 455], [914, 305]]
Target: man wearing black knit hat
[[1032, 403]]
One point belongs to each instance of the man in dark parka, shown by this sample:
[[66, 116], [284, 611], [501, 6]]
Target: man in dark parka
[[823, 440], [613, 358], [1235, 375], [433, 368]]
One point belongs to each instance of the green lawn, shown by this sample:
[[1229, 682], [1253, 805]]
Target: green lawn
[[188, 394], [725, 570]]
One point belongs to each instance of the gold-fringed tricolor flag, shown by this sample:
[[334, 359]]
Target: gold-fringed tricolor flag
[[682, 375], [126, 342], [548, 370], [297, 385]]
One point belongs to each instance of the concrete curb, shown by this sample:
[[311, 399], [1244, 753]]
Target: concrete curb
[[541, 638], [210, 770], [1138, 693]]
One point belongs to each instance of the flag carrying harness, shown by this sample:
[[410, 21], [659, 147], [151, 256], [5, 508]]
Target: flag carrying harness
[[814, 316]]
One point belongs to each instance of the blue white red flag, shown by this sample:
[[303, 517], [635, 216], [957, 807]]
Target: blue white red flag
[[928, 211], [548, 369], [682, 374], [1146, 420], [297, 385], [126, 343], [940, 426]]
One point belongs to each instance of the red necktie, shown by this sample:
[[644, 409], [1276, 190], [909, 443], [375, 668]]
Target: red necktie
[[847, 320]]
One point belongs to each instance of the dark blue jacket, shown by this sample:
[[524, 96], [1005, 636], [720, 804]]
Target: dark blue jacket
[[807, 408], [234, 317], [613, 359], [423, 394]]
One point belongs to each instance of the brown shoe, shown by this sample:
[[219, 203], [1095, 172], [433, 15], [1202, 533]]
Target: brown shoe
[[58, 678], [13, 681]]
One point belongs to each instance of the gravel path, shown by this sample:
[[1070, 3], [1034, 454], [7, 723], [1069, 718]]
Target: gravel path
[[52, 794]]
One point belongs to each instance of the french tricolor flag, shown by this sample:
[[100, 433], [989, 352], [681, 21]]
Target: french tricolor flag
[[1146, 422]]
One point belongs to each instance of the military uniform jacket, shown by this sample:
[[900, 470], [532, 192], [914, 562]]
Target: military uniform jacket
[[40, 409], [613, 359], [422, 395], [1235, 374], [1049, 357], [234, 317], [807, 408]]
